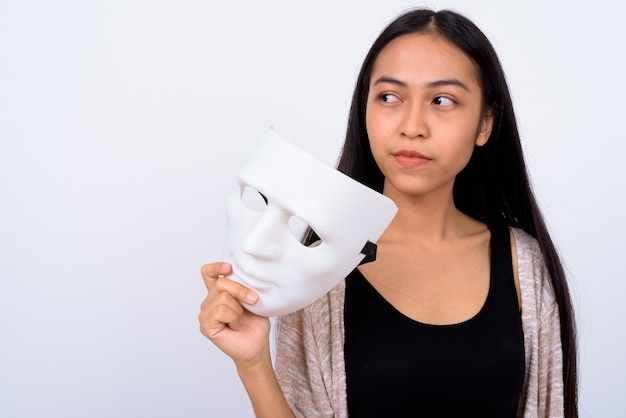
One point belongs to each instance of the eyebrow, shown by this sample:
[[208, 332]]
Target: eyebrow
[[431, 84], [391, 80], [447, 82]]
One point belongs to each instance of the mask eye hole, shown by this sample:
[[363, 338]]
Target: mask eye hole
[[299, 228], [253, 199]]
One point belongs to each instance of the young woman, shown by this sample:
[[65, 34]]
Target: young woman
[[466, 310]]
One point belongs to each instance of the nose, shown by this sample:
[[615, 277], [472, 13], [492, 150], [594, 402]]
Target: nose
[[264, 241], [414, 123]]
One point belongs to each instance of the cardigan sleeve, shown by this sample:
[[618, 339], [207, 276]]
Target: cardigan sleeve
[[550, 364], [542, 395], [309, 360]]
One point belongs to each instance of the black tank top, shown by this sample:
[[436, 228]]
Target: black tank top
[[398, 367]]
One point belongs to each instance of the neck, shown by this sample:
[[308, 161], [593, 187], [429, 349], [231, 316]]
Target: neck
[[431, 218]]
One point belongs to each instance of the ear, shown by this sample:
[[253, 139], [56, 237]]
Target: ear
[[486, 125]]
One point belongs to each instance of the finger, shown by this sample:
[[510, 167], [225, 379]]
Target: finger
[[229, 312], [236, 290], [218, 312], [211, 272], [215, 298]]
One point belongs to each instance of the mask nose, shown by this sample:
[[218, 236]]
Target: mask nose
[[264, 241]]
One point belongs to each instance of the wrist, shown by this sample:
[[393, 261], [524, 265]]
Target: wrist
[[262, 385], [258, 366]]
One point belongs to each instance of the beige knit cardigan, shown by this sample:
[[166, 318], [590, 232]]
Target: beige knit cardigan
[[309, 359]]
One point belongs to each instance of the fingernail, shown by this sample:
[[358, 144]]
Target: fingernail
[[251, 297], [224, 268]]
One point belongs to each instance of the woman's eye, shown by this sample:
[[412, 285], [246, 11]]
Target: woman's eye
[[253, 199], [389, 98], [443, 101]]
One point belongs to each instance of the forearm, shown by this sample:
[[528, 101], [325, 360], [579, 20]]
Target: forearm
[[265, 394]]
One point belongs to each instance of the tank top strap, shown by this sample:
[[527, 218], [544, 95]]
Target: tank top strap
[[502, 279]]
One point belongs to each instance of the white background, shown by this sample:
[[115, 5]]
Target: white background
[[123, 124]]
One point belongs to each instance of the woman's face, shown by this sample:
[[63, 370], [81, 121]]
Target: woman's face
[[424, 114]]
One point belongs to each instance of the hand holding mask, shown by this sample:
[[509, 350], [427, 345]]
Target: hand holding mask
[[282, 191]]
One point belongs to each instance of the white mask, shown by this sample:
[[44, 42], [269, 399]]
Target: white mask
[[291, 186]]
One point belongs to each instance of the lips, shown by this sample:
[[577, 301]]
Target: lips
[[410, 158]]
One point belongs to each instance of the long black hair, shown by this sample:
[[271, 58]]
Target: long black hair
[[494, 187]]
